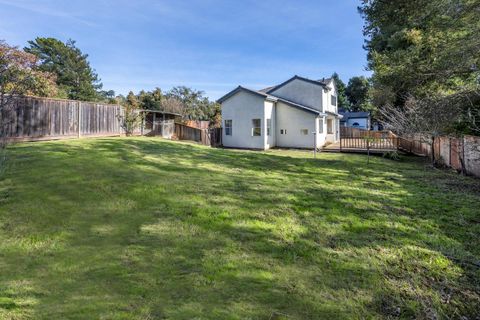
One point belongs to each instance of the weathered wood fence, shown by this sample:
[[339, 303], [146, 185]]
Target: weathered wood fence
[[32, 118], [459, 153], [210, 137]]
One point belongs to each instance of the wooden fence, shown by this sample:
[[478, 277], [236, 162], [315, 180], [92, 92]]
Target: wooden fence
[[197, 124], [415, 146], [33, 118], [459, 153], [210, 137]]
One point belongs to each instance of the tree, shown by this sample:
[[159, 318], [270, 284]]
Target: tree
[[107, 96], [357, 93], [423, 49], [19, 76], [74, 74], [421, 119], [151, 100], [195, 105], [173, 105], [420, 46], [132, 118], [342, 100]]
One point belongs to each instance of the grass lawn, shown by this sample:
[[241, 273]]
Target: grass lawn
[[143, 228]]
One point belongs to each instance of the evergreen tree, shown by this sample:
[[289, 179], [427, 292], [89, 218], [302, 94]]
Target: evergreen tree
[[357, 93], [71, 67], [342, 101]]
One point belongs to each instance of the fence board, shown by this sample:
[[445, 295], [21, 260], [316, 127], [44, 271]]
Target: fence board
[[33, 118]]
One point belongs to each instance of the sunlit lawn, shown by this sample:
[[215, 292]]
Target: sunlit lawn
[[144, 228]]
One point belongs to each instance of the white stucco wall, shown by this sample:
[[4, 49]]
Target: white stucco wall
[[328, 99], [302, 92], [294, 120], [241, 109]]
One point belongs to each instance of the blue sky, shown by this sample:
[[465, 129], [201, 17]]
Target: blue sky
[[210, 45]]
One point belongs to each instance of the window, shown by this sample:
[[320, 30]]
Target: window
[[304, 132], [228, 127], [320, 125], [283, 131], [269, 126], [334, 100], [256, 127], [329, 126]]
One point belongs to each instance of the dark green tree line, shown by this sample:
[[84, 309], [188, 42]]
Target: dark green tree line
[[424, 50]]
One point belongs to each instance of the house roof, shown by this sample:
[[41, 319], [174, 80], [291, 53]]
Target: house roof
[[353, 115], [265, 93], [325, 80], [271, 89], [265, 90], [160, 111], [240, 88], [270, 98]]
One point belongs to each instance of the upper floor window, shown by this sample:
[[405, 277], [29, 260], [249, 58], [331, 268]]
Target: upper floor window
[[334, 100], [228, 127], [256, 127]]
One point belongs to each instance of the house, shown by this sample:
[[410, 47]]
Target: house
[[298, 113], [360, 120]]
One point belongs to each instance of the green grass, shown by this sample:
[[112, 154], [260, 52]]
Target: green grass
[[144, 228]]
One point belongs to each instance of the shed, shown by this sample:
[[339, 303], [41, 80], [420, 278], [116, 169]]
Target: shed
[[158, 123]]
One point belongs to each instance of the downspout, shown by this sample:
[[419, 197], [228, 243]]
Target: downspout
[[274, 125]]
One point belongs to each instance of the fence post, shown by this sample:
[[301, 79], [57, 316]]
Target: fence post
[[449, 151], [79, 119]]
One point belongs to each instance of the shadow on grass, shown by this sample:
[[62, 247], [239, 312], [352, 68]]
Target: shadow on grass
[[147, 228]]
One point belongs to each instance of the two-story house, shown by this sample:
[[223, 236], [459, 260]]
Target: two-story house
[[298, 113]]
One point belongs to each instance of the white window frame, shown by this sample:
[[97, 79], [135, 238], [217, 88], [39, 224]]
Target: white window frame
[[333, 100], [256, 130], [228, 129]]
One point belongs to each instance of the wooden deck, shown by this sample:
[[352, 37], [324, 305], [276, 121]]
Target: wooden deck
[[362, 145]]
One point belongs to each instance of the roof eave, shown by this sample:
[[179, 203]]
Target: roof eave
[[295, 77], [238, 89]]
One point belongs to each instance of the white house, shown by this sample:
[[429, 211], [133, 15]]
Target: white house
[[359, 120], [299, 113]]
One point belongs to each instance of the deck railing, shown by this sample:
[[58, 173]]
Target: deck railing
[[369, 143]]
